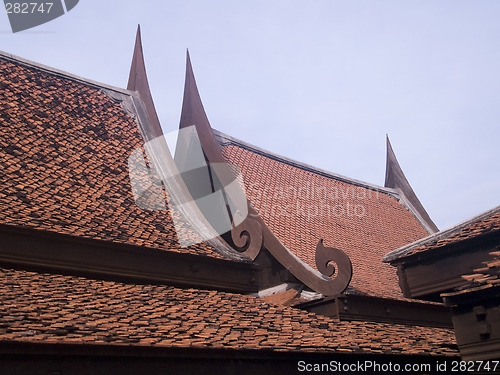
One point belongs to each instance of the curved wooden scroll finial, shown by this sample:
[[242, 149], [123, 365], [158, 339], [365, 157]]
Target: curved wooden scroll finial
[[247, 237], [325, 256]]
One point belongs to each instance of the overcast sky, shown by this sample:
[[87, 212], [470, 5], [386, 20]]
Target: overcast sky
[[321, 82]]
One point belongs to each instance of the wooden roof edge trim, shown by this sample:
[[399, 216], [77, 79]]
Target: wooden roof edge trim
[[376, 299], [81, 256], [398, 254], [61, 73], [476, 244], [225, 140], [193, 113], [415, 212], [384, 310], [396, 179], [253, 235]]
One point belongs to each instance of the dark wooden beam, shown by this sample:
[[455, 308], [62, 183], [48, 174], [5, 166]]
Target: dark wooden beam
[[43, 250], [377, 309]]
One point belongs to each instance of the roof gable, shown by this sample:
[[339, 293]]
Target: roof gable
[[300, 206]]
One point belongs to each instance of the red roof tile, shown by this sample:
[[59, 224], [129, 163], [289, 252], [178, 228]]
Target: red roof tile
[[484, 224], [64, 146], [49, 308], [302, 206]]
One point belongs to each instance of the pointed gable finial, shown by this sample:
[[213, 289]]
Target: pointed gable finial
[[395, 179], [138, 81], [391, 164], [193, 113]]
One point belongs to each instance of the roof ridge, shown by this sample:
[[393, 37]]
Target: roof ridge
[[61, 73], [225, 139], [438, 235]]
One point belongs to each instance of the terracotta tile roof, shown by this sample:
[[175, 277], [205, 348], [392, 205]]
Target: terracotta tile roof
[[49, 308], [302, 206], [64, 146], [484, 224]]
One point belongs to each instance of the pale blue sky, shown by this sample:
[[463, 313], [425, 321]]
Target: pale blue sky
[[317, 81]]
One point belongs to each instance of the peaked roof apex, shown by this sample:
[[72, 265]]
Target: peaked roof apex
[[193, 113], [396, 179], [138, 81]]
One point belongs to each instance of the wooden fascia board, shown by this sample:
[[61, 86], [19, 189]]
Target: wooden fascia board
[[430, 273], [442, 274], [51, 251], [393, 311]]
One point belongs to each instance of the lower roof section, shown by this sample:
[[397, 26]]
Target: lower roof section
[[50, 308]]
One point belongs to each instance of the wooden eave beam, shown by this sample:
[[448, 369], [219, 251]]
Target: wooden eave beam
[[49, 251], [383, 310]]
